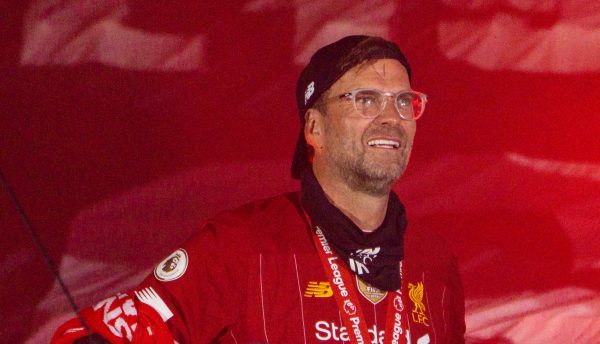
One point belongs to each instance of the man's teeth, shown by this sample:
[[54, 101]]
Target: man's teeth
[[384, 143]]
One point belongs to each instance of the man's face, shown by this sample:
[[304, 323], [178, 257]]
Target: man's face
[[359, 150]]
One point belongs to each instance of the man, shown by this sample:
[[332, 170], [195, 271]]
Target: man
[[333, 263]]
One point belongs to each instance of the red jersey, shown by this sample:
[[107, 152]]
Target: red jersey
[[253, 275]]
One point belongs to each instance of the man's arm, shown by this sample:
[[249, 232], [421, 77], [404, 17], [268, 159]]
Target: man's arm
[[457, 305], [189, 296]]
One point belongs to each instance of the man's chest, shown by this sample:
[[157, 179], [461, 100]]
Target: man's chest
[[289, 298]]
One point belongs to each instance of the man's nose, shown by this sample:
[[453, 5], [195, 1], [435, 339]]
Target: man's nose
[[389, 114]]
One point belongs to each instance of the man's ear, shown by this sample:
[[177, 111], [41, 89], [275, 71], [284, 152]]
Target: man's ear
[[313, 128]]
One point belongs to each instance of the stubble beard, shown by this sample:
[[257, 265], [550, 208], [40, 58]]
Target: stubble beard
[[364, 174]]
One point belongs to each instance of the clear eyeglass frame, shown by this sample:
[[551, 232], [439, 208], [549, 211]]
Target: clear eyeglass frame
[[409, 104]]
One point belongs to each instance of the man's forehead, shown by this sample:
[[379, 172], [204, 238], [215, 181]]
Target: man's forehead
[[388, 71]]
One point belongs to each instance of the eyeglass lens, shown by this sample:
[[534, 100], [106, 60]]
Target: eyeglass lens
[[370, 103]]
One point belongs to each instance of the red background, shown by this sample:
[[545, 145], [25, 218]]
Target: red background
[[125, 123]]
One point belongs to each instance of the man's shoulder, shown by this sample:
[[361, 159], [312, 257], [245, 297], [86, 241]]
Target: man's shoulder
[[280, 207], [428, 248], [262, 225]]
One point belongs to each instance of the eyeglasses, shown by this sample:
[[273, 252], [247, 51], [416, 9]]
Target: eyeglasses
[[370, 103]]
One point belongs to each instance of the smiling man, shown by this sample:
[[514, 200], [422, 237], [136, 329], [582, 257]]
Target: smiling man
[[333, 263], [362, 134]]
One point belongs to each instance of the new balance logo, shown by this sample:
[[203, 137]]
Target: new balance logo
[[318, 289]]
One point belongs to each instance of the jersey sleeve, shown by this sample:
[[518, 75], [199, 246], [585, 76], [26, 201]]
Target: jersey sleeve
[[190, 296], [199, 284], [456, 305]]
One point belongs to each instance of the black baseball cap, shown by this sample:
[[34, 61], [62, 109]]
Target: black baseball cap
[[326, 66]]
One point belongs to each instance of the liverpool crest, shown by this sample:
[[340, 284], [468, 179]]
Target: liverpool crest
[[416, 296]]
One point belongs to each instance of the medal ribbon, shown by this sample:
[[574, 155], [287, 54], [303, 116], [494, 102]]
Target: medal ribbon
[[396, 323], [348, 303]]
